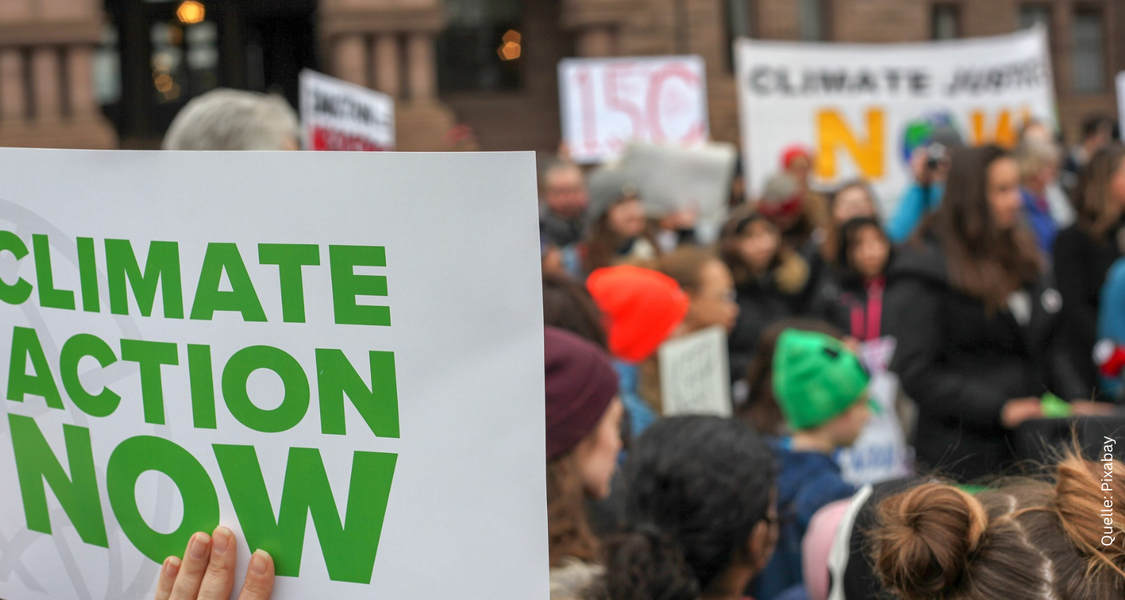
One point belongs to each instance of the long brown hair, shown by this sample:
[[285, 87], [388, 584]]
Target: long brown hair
[[984, 261], [739, 220], [568, 528], [1092, 201], [603, 244], [1029, 539]]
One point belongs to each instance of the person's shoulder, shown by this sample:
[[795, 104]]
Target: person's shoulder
[[919, 259], [572, 579]]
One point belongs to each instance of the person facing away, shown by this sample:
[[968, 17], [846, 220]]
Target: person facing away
[[699, 517], [234, 120], [1033, 539], [642, 308], [1085, 251], [976, 321], [1038, 163], [583, 440], [563, 211], [821, 388]]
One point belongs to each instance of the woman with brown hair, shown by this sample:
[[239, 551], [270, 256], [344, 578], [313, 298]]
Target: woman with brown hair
[[975, 320], [1028, 539], [771, 282], [620, 235], [583, 443], [1085, 251]]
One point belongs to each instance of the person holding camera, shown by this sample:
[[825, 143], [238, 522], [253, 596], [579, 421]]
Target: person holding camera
[[930, 165]]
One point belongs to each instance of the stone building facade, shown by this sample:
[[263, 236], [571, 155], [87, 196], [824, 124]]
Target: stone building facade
[[78, 73]]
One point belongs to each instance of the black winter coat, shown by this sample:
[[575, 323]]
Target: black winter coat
[[961, 364], [1081, 265], [760, 304]]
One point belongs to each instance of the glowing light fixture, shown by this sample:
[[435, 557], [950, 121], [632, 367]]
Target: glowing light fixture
[[191, 12], [510, 49]]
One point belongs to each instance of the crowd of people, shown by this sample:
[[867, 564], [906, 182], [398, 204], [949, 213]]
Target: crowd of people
[[880, 365]]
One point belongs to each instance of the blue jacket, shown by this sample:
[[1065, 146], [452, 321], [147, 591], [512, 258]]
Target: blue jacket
[[807, 481], [912, 208], [1038, 213], [639, 412], [1111, 316]]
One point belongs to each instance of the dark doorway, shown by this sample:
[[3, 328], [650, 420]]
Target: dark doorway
[[159, 54]]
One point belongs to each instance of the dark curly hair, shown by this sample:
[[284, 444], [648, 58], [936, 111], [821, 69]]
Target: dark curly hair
[[695, 488]]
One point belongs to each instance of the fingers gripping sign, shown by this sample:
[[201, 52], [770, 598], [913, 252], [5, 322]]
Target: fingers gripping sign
[[207, 571]]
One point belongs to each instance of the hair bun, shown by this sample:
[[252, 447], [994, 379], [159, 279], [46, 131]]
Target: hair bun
[[926, 540], [647, 563], [1082, 490]]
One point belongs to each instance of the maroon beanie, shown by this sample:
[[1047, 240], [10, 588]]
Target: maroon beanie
[[581, 383]]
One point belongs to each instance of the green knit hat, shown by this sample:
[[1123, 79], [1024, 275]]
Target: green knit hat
[[816, 378]]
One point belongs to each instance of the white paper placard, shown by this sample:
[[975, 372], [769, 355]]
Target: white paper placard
[[606, 103], [695, 374], [1120, 79], [293, 369], [337, 115]]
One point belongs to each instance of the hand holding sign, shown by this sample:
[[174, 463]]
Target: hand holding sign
[[207, 571]]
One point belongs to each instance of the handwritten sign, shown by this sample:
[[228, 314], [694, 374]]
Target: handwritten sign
[[695, 374]]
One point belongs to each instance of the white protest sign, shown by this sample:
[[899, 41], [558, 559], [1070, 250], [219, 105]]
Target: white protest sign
[[281, 343], [880, 453], [864, 108], [337, 115], [1121, 98], [695, 374], [606, 103]]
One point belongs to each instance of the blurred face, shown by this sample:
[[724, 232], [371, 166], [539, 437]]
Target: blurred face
[[758, 245], [851, 203], [566, 192], [1117, 185], [627, 218], [596, 454], [869, 252], [799, 168], [713, 303], [1004, 192]]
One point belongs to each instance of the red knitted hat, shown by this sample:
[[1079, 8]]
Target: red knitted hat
[[641, 306], [580, 383]]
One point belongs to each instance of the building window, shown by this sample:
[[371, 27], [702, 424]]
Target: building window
[[480, 48], [1034, 14], [811, 25], [1088, 54], [945, 23]]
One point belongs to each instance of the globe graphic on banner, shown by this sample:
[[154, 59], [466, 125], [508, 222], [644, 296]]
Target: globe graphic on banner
[[920, 132]]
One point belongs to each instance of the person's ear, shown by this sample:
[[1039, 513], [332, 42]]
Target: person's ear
[[760, 546]]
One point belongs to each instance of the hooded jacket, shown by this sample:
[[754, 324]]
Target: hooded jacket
[[961, 363]]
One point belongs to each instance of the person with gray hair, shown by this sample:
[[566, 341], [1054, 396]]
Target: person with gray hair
[[1038, 162], [234, 120]]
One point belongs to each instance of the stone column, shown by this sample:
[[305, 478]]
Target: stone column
[[45, 79], [422, 71], [388, 64], [79, 67], [350, 58], [13, 95]]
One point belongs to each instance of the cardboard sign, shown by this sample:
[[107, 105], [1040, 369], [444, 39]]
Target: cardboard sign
[[278, 342], [864, 109], [337, 115], [695, 374], [608, 103]]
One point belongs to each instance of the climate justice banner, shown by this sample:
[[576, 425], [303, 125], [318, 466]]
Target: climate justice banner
[[606, 103], [337, 115], [282, 343], [863, 109]]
